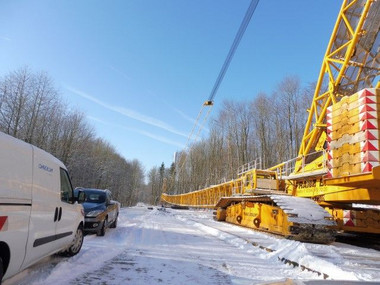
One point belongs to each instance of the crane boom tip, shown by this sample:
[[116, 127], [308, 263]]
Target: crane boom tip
[[208, 103]]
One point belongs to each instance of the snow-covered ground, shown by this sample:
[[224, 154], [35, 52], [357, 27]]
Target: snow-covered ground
[[189, 247]]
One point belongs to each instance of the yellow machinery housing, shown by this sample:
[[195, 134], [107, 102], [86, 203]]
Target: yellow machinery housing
[[337, 172]]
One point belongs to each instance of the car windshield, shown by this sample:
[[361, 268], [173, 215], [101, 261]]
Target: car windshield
[[95, 197]]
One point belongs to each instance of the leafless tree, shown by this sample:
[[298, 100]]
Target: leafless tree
[[31, 109], [269, 128]]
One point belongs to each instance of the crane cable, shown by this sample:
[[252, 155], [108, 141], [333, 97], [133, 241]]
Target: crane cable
[[210, 102], [235, 44]]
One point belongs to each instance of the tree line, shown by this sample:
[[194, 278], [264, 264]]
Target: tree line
[[32, 109], [267, 129]]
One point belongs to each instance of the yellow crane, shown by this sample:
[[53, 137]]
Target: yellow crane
[[336, 176]]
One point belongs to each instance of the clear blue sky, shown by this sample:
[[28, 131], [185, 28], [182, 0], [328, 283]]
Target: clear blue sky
[[141, 69]]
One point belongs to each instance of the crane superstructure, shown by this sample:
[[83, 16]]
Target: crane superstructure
[[336, 175]]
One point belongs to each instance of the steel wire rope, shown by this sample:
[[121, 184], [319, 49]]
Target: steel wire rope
[[235, 44], [203, 122], [210, 102], [195, 125]]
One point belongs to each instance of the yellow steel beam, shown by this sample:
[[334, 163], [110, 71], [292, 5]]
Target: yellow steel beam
[[339, 57]]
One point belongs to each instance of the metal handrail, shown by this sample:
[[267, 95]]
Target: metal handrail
[[249, 166], [288, 167]]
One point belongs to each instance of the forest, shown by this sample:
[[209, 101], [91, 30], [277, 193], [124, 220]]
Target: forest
[[32, 110], [268, 129]]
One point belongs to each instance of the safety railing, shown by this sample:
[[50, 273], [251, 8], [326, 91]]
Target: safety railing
[[255, 164], [288, 168]]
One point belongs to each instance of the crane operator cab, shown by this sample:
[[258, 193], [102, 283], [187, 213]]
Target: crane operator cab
[[258, 181]]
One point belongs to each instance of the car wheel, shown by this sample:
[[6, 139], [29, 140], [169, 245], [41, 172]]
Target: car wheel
[[114, 224], [1, 270], [77, 243], [102, 230]]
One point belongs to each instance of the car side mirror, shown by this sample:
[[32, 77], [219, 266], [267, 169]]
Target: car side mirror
[[81, 197]]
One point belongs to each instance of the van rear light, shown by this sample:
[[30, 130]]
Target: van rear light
[[3, 223]]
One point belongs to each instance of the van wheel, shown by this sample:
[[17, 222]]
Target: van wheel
[[1, 270], [102, 231], [114, 224], [77, 243]]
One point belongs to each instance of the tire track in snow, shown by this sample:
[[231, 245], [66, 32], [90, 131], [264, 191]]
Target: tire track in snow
[[206, 228], [152, 258]]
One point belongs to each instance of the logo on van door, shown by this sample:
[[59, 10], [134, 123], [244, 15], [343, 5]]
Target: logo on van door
[[45, 167]]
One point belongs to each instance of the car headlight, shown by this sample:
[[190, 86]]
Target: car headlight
[[94, 213]]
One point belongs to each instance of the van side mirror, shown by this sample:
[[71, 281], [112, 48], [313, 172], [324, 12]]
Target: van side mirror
[[81, 197]]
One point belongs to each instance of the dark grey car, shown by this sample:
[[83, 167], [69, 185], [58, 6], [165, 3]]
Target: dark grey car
[[101, 212]]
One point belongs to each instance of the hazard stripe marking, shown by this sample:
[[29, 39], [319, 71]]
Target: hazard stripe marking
[[366, 93], [3, 219]]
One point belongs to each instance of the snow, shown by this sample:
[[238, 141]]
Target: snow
[[306, 210], [188, 247]]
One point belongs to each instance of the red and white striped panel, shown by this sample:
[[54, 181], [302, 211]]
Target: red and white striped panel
[[369, 124]]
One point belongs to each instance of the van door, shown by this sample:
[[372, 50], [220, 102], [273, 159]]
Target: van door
[[68, 215], [44, 214]]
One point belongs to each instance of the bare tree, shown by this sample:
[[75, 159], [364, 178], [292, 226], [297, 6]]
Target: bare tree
[[262, 112], [15, 89], [289, 93], [31, 109], [153, 182]]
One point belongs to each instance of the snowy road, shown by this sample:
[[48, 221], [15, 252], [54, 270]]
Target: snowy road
[[188, 247]]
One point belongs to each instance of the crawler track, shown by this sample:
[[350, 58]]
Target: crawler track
[[294, 217]]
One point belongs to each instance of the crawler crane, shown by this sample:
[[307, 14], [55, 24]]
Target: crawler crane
[[335, 179]]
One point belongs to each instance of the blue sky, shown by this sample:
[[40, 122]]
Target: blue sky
[[141, 69]]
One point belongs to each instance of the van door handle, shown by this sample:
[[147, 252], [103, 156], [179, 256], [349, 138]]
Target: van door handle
[[56, 214], [60, 214]]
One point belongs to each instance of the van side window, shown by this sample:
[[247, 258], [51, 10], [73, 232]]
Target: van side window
[[66, 188]]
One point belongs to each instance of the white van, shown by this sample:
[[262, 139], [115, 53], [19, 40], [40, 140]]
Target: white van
[[38, 212]]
